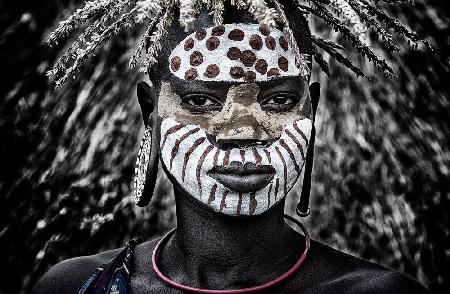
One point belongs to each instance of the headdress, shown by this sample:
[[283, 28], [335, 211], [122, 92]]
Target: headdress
[[351, 18]]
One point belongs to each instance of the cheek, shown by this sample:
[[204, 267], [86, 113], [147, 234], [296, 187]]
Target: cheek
[[274, 123]]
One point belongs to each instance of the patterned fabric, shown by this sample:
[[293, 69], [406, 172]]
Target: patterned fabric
[[113, 277]]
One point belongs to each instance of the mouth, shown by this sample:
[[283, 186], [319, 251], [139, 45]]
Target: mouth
[[243, 178]]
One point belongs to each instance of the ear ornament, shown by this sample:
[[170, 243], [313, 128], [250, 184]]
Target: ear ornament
[[303, 209], [146, 169], [141, 168]]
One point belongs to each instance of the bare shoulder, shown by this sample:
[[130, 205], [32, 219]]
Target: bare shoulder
[[68, 275], [334, 271]]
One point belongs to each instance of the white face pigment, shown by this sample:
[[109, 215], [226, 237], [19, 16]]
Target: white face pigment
[[261, 174], [188, 156]]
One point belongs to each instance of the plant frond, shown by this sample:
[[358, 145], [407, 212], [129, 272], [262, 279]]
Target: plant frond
[[155, 39], [339, 58], [351, 18], [83, 54], [261, 12], [318, 57]]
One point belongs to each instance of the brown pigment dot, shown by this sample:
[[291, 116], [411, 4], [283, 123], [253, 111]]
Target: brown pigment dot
[[234, 53], [175, 63], [212, 43], [236, 35], [273, 72], [284, 43], [249, 76], [264, 29], [218, 31], [190, 74], [248, 58], [261, 66], [189, 44], [196, 58], [200, 34], [211, 71], [236, 72], [270, 42], [255, 42], [283, 64]]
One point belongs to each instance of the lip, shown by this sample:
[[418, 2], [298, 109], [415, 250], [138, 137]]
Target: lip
[[243, 178]]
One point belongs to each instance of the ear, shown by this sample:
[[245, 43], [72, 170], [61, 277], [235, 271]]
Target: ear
[[146, 170], [147, 98], [314, 93]]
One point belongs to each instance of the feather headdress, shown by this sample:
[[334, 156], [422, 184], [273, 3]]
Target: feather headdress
[[351, 18]]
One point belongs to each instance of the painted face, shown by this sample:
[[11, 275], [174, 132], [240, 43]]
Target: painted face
[[234, 142]]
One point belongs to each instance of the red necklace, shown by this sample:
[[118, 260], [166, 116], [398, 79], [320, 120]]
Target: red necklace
[[277, 280]]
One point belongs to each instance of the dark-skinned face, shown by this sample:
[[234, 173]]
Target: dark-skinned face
[[237, 146]]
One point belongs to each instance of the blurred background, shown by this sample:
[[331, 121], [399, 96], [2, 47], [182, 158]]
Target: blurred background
[[381, 188]]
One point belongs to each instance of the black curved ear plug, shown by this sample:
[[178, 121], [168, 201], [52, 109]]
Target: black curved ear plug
[[147, 164], [147, 100], [303, 209]]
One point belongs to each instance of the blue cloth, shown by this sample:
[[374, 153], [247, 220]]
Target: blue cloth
[[113, 277]]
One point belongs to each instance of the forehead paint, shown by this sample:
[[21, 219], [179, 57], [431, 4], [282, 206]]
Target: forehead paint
[[235, 53], [188, 156]]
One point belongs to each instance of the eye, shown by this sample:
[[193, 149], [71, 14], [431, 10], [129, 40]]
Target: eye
[[279, 102], [200, 103]]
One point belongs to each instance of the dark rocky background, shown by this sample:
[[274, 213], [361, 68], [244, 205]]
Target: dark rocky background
[[381, 177]]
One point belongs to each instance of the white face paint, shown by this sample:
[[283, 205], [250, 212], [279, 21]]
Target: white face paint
[[256, 177], [188, 156], [235, 53]]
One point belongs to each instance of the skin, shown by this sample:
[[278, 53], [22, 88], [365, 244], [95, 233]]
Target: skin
[[215, 251], [236, 111]]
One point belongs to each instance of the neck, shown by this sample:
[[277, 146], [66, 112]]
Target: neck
[[209, 246]]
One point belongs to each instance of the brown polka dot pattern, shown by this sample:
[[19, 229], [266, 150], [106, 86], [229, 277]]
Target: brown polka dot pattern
[[189, 44], [200, 34], [234, 53], [236, 72], [212, 43], [270, 42], [190, 74], [283, 43], [261, 66], [236, 35], [248, 58], [196, 58], [273, 72], [249, 76], [265, 30], [243, 52], [218, 31], [255, 42], [175, 63], [283, 64], [212, 71]]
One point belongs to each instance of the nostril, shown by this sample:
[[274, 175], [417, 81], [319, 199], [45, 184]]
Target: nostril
[[227, 145]]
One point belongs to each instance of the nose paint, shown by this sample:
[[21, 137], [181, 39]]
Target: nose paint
[[238, 118], [188, 156]]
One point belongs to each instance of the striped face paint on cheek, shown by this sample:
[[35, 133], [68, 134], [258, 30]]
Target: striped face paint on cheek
[[188, 157]]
